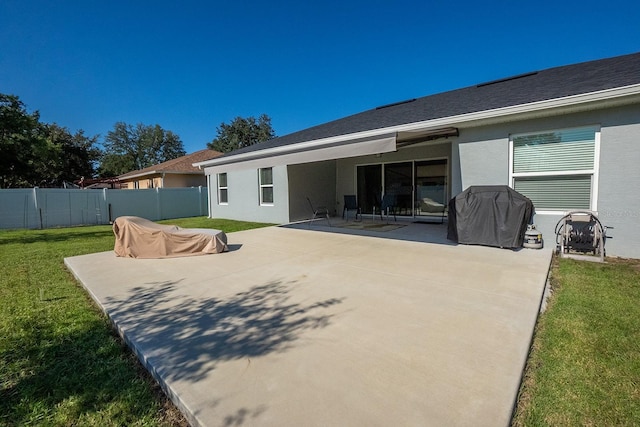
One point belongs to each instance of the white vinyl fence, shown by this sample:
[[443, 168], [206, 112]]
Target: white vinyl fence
[[53, 207]]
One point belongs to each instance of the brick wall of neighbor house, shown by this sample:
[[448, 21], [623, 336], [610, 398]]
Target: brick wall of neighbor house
[[481, 156], [244, 200]]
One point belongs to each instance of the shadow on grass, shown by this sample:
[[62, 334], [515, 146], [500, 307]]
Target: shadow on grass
[[67, 376]]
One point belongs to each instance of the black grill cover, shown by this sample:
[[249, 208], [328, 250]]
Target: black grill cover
[[490, 215]]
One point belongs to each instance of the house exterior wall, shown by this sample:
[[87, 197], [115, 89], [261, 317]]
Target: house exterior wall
[[244, 197], [145, 183], [317, 181], [186, 180], [142, 183], [481, 155], [618, 191]]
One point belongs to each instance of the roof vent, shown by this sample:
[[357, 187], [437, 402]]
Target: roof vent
[[519, 76], [395, 103]]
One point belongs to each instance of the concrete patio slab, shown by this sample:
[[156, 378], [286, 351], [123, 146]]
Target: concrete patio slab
[[299, 327]]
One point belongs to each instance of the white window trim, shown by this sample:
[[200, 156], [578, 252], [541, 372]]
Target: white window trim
[[595, 172], [261, 186], [222, 188]]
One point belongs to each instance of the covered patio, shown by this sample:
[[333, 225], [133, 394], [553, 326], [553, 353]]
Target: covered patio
[[425, 230]]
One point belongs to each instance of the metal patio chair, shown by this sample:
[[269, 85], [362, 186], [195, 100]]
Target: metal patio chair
[[350, 204], [318, 211], [388, 206]]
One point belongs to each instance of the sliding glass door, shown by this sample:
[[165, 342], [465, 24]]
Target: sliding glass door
[[369, 187], [419, 187], [398, 182], [431, 187]]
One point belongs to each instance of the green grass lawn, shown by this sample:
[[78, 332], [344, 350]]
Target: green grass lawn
[[60, 361], [584, 367]]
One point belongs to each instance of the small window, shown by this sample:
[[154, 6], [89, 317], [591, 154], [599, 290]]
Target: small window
[[265, 178], [556, 169], [223, 190]]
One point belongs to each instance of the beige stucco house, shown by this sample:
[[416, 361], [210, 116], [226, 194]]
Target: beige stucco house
[[174, 173]]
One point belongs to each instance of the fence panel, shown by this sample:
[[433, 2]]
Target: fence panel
[[174, 203], [67, 207], [51, 207], [142, 203], [18, 208]]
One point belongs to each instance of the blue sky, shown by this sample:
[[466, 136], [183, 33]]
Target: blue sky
[[190, 65]]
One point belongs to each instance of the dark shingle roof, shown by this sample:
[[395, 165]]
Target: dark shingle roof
[[552, 83]]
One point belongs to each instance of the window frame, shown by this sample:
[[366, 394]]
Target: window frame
[[222, 188], [262, 186], [594, 172]]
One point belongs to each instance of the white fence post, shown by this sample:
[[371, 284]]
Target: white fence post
[[37, 206], [158, 203]]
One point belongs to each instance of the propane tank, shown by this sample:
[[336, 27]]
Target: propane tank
[[532, 238]]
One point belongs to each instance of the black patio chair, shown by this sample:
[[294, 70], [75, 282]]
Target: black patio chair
[[388, 206], [318, 211], [350, 204]]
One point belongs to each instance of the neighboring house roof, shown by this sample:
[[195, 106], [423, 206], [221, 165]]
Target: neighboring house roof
[[181, 165], [500, 96]]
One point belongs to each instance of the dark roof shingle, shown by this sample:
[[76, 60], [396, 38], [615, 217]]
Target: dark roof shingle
[[552, 83]]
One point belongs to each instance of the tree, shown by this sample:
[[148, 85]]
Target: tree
[[128, 148], [21, 144], [242, 133], [73, 155], [38, 154]]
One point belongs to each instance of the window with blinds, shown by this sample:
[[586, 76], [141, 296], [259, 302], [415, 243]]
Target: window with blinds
[[555, 169]]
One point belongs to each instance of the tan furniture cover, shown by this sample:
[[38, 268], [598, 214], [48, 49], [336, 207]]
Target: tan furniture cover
[[140, 238]]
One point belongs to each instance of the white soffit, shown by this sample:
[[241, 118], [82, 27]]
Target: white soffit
[[333, 151]]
